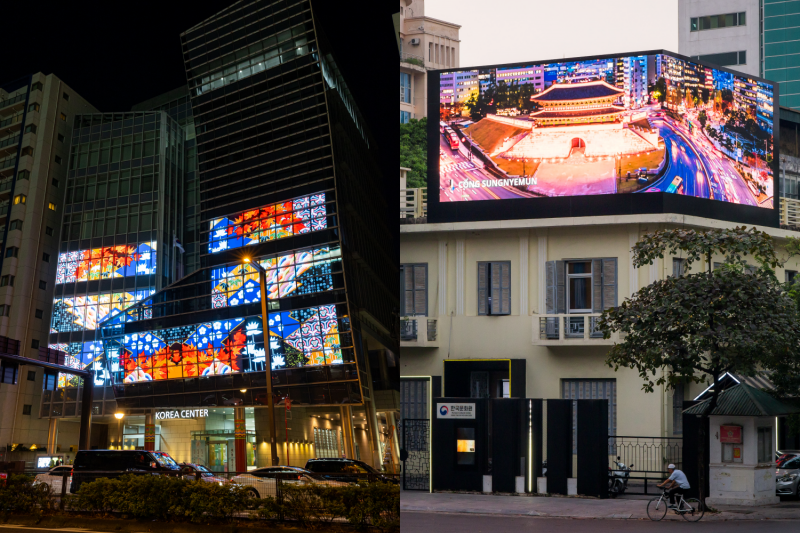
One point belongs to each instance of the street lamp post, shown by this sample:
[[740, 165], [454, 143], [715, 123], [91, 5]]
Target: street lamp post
[[119, 415], [262, 278]]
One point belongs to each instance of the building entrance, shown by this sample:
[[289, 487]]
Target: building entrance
[[216, 448]]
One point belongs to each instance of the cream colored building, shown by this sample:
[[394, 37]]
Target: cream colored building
[[425, 43], [36, 116], [548, 280]]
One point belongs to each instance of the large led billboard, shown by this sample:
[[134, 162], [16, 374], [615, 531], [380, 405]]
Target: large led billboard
[[630, 125]]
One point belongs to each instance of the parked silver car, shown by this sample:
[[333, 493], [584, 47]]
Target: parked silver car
[[788, 477]]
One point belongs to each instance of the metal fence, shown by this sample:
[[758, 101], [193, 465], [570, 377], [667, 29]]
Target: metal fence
[[415, 441], [649, 457]]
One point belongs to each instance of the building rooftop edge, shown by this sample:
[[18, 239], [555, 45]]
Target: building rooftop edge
[[431, 19], [608, 220]]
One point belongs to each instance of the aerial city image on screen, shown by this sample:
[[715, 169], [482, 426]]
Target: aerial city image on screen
[[633, 124]]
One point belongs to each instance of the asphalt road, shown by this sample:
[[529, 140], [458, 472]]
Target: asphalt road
[[466, 523]]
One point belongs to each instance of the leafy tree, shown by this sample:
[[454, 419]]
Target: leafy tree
[[702, 117], [699, 326], [414, 152], [704, 92], [661, 88]]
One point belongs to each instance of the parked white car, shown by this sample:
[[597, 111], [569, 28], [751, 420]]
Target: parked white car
[[54, 477], [262, 481]]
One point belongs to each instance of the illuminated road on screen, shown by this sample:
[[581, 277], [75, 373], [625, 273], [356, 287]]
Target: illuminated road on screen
[[704, 172]]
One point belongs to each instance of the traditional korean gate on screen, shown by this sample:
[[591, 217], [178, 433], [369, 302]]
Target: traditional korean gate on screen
[[415, 440]]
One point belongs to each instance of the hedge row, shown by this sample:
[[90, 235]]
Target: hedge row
[[166, 498]]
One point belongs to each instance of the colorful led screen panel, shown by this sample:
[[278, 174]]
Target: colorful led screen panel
[[296, 338], [82, 355], [629, 124], [85, 312], [109, 262], [275, 221], [301, 272]]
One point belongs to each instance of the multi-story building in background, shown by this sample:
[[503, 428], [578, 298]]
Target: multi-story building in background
[[425, 43], [36, 120]]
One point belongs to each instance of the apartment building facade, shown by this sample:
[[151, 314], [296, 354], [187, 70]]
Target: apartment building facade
[[36, 122], [425, 43]]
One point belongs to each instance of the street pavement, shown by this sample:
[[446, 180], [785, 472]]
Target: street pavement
[[571, 507], [413, 522]]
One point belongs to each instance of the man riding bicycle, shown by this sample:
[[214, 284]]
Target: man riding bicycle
[[675, 484]]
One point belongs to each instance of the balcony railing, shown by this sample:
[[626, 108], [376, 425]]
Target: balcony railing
[[418, 331], [563, 330], [10, 141], [414, 203], [790, 212], [411, 59], [11, 101]]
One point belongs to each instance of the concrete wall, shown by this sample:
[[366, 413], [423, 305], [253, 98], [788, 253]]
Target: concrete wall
[[176, 437], [452, 251]]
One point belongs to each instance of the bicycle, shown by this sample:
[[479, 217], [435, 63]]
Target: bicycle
[[690, 509]]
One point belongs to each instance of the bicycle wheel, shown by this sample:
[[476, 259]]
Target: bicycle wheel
[[657, 509], [697, 512]]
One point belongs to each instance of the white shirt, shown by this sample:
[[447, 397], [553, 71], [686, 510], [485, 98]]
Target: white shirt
[[679, 477]]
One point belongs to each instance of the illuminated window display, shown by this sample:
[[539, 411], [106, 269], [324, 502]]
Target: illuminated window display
[[618, 125], [85, 312], [105, 263], [82, 355], [301, 272], [275, 221], [303, 337]]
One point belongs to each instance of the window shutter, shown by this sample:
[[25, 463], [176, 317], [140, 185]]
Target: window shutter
[[482, 289], [597, 285], [561, 287], [403, 269], [550, 287], [609, 283], [505, 288], [408, 306], [494, 293], [420, 290]]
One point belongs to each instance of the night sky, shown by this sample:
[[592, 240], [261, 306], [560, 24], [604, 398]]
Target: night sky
[[116, 57]]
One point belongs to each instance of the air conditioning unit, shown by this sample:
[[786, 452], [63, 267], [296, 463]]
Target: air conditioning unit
[[414, 41]]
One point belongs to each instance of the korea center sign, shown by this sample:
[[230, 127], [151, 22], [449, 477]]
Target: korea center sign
[[181, 414]]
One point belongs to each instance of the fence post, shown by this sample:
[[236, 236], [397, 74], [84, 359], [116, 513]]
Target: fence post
[[64, 479], [279, 488]]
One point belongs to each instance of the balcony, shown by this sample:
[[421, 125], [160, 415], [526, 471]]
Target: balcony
[[412, 60], [11, 124], [11, 105], [414, 203], [419, 332], [569, 330], [9, 145]]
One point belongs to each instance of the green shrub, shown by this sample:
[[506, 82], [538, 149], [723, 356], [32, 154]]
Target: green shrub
[[19, 495]]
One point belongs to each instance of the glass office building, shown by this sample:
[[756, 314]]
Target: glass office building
[[122, 214], [780, 48]]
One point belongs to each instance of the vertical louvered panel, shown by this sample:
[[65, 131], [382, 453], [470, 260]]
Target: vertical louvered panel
[[609, 283], [482, 288]]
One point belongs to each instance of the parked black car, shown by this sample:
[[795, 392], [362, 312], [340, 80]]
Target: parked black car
[[350, 470], [115, 463]]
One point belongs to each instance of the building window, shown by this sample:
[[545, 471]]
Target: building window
[[8, 372], [405, 116], [43, 284], [37, 86], [20, 199], [51, 206], [591, 389], [48, 231], [24, 174], [405, 87], [66, 97], [28, 150], [12, 251], [414, 289], [677, 409], [15, 224], [54, 182], [494, 288], [63, 117], [31, 375], [678, 267], [39, 313], [30, 128], [414, 398], [46, 257], [726, 59], [6, 280], [26, 410], [33, 107], [764, 442], [4, 310], [35, 344], [579, 287], [60, 138], [790, 276], [58, 159], [715, 22]]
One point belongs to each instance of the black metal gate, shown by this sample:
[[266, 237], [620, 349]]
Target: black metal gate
[[649, 457], [415, 440]]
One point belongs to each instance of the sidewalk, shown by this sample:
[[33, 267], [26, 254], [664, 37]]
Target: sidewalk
[[630, 507]]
